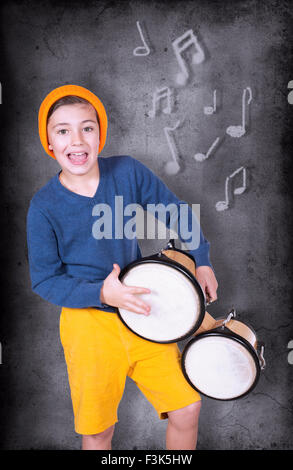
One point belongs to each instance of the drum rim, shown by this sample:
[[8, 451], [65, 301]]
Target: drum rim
[[230, 335], [162, 259]]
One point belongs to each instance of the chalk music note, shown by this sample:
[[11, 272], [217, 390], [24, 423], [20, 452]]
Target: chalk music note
[[223, 205], [200, 157], [141, 50], [290, 95], [161, 94], [172, 167], [239, 131], [180, 45], [211, 109], [290, 355]]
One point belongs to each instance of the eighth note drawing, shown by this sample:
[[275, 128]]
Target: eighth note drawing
[[211, 109], [200, 157], [173, 167], [180, 45], [223, 205], [159, 95], [141, 50], [239, 131]]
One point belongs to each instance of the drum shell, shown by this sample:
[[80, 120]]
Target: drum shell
[[223, 332], [162, 259]]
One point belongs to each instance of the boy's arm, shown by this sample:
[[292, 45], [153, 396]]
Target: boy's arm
[[151, 190], [48, 276]]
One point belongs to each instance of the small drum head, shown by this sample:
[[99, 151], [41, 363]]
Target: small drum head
[[176, 300], [220, 366]]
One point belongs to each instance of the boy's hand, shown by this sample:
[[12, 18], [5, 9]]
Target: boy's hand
[[118, 295], [207, 279]]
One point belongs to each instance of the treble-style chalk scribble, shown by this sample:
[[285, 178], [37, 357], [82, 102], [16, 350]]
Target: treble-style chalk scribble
[[141, 50], [223, 205], [239, 131], [181, 44]]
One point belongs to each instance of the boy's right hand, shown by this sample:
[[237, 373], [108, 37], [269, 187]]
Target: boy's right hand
[[116, 294]]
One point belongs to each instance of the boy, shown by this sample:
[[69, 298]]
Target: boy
[[72, 269]]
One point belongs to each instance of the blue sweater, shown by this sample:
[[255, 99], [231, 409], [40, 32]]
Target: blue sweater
[[68, 262]]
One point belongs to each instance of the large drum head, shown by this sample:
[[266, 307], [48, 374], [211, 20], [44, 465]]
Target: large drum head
[[220, 366], [177, 303]]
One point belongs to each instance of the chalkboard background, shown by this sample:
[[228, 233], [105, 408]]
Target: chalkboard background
[[245, 44]]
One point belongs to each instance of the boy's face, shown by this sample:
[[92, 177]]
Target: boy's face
[[73, 136]]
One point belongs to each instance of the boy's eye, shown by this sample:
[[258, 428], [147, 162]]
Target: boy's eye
[[62, 131], [88, 129]]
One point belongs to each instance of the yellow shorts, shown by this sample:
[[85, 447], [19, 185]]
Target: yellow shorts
[[100, 352]]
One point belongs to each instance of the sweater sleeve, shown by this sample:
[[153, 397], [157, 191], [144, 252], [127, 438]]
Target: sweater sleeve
[[48, 274], [152, 191]]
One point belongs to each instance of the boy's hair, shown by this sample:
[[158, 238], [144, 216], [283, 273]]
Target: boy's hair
[[69, 99]]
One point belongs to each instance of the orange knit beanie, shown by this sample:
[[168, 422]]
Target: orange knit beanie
[[66, 90]]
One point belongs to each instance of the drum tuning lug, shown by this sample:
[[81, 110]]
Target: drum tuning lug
[[161, 252], [231, 314], [170, 244], [262, 361]]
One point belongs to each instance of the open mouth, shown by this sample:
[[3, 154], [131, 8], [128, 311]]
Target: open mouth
[[78, 158]]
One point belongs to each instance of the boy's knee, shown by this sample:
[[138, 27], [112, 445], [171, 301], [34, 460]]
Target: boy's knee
[[106, 434], [185, 417]]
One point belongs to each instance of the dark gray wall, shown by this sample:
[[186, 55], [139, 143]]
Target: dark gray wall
[[246, 44]]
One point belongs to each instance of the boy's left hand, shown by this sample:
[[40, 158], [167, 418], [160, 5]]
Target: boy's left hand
[[207, 279]]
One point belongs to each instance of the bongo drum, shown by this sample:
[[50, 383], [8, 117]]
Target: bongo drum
[[224, 362], [176, 299]]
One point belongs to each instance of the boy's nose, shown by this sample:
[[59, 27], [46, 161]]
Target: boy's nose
[[76, 137]]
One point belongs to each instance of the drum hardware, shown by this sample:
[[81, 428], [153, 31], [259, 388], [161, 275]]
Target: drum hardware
[[231, 314], [262, 361]]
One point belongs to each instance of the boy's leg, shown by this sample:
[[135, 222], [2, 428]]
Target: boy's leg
[[181, 433], [97, 365], [157, 372], [101, 441]]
